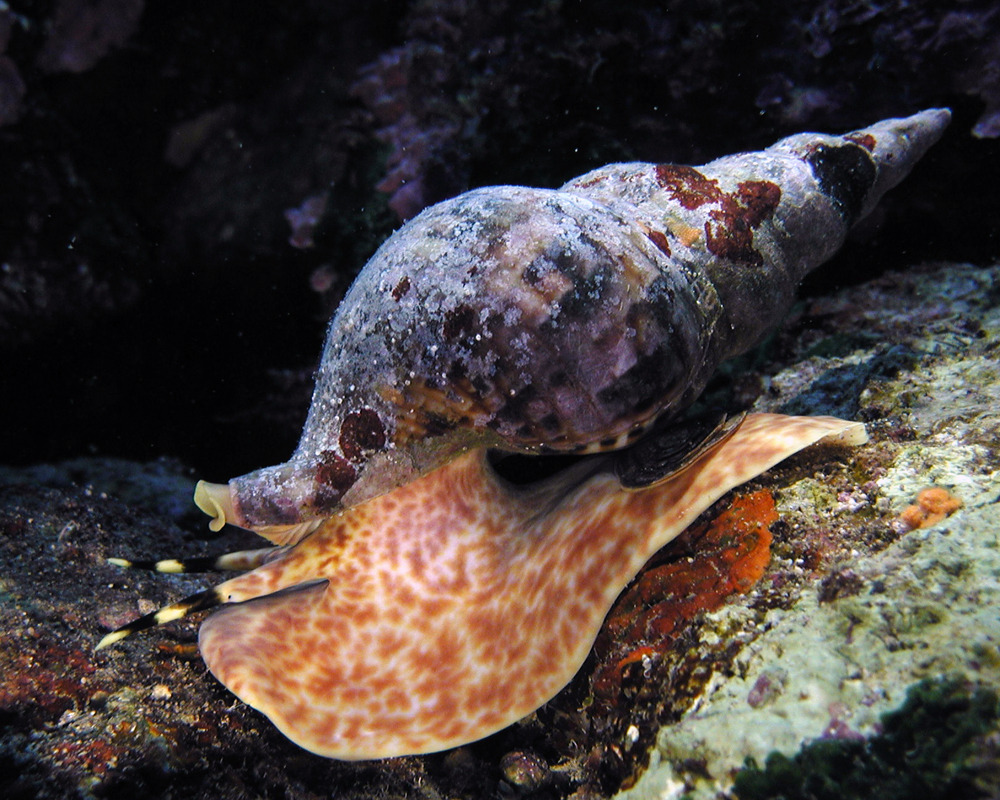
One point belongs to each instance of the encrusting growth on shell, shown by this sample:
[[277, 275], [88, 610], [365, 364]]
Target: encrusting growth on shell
[[418, 600]]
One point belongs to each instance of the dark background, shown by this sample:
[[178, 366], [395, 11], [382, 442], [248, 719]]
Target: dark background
[[151, 301]]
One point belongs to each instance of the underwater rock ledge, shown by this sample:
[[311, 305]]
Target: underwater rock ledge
[[869, 627]]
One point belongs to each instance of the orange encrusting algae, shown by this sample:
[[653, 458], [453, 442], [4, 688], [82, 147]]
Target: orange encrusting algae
[[729, 555], [453, 606], [710, 562], [933, 505]]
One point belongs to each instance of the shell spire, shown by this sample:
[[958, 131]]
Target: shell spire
[[564, 320]]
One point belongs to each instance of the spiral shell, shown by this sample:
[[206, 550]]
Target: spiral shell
[[567, 320]]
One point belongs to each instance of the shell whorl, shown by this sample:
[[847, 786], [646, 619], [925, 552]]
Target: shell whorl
[[566, 320]]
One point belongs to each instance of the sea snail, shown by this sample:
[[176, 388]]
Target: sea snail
[[418, 600], [567, 320]]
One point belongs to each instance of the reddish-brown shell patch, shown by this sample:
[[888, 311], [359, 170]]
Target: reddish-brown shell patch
[[400, 289], [866, 140], [687, 185], [757, 200], [361, 431], [459, 323], [659, 238], [334, 476], [729, 232], [729, 229]]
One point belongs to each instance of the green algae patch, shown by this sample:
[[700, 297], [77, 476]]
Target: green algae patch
[[936, 745]]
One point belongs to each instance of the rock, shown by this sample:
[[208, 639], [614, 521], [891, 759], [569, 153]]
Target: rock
[[925, 607]]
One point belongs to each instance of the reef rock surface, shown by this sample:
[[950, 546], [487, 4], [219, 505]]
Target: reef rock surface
[[868, 626]]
